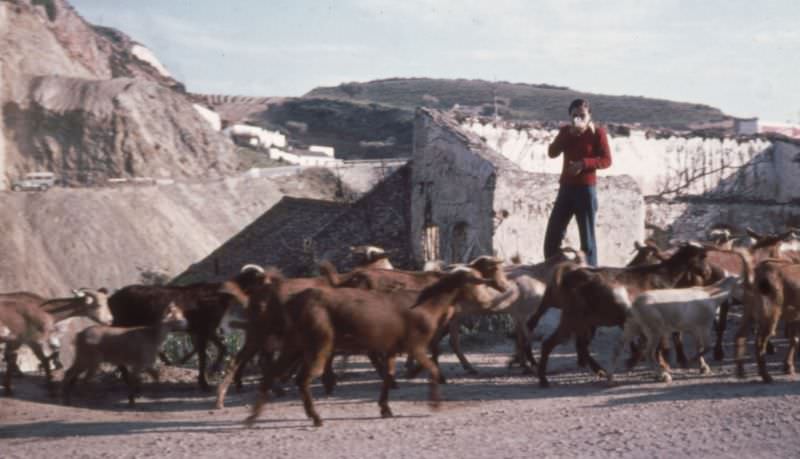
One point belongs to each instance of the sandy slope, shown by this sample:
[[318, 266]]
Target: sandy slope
[[67, 238]]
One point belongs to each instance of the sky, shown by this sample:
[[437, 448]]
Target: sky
[[737, 55]]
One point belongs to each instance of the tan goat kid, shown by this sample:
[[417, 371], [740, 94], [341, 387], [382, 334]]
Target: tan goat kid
[[135, 348], [658, 313]]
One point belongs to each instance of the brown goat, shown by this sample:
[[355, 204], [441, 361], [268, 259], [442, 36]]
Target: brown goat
[[389, 280], [774, 295], [319, 320], [590, 297], [254, 287], [134, 348]]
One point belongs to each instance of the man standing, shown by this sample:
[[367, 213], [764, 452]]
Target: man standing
[[585, 149]]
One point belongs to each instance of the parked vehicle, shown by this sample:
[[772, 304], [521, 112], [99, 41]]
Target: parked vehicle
[[41, 181]]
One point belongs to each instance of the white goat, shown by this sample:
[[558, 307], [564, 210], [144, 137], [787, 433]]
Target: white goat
[[658, 313]]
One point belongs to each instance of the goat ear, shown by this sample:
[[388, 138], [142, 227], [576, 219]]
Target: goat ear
[[78, 293]]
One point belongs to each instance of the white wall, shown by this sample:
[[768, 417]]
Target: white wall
[[693, 165], [265, 137], [328, 151], [303, 160]]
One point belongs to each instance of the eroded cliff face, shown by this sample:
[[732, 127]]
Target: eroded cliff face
[[89, 103]]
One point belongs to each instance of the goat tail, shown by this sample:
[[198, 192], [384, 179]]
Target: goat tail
[[329, 272]]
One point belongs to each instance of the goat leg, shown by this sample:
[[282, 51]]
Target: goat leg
[[329, 376], [11, 367], [792, 335], [134, 386], [45, 362], [391, 366], [11, 361], [200, 342], [560, 335], [455, 344], [232, 372], [7, 378], [761, 341], [286, 360], [680, 355], [421, 357], [383, 401], [524, 352], [222, 352], [740, 341], [721, 323], [582, 345], [413, 369], [304, 377]]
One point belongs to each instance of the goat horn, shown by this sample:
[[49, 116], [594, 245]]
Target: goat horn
[[252, 267]]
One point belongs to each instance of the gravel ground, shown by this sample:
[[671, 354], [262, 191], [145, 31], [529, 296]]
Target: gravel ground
[[499, 413]]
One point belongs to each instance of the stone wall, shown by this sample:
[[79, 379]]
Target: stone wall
[[482, 203], [763, 168], [691, 220], [523, 202], [452, 189]]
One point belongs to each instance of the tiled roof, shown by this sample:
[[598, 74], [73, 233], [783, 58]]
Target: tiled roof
[[277, 238]]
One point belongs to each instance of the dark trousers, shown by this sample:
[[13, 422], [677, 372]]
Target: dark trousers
[[580, 201]]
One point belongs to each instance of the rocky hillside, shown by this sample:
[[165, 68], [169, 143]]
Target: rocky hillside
[[519, 101], [90, 103]]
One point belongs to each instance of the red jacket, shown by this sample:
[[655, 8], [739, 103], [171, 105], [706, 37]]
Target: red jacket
[[589, 147]]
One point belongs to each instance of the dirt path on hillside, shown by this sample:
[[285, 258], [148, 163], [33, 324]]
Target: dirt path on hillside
[[499, 413]]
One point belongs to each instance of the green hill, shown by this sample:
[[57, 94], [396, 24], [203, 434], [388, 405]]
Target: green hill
[[518, 101]]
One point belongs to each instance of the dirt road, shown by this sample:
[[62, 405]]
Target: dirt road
[[499, 413]]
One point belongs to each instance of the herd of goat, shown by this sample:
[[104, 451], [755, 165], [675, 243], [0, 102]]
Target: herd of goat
[[296, 325]]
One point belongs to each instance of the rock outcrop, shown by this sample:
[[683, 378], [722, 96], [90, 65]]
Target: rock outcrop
[[89, 103]]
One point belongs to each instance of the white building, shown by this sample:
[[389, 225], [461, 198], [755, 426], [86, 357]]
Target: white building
[[255, 136], [751, 126], [304, 157]]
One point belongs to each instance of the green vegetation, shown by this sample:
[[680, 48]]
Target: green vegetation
[[356, 129]]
